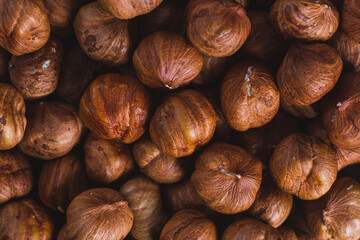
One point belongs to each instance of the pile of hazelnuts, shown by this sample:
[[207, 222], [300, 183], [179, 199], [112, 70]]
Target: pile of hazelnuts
[[179, 119]]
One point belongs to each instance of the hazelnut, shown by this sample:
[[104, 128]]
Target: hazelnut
[[12, 116], [4, 62], [155, 164], [249, 96], [24, 26], [165, 59], [129, 9], [341, 113], [36, 74], [77, 71], [304, 166], [116, 106], [102, 37], [61, 180], [336, 215], [99, 213], [261, 142], [216, 28], [350, 19], [189, 224], [300, 111], [287, 233], [244, 3], [263, 44], [348, 49], [250, 228], [143, 196], [272, 205], [105, 161], [15, 175], [227, 178], [308, 72], [306, 20], [183, 122], [53, 130], [26, 219], [182, 195]]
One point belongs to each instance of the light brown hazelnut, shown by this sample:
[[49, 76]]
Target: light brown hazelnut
[[304, 166], [189, 224], [350, 19], [143, 196], [15, 175], [12, 116]]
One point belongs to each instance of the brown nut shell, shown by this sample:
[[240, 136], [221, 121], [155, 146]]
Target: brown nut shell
[[145, 203], [99, 213], [105, 161], [304, 166], [116, 106], [24, 26], [351, 19], [249, 96], [341, 113], [308, 72], [336, 215], [183, 122], [36, 74], [129, 9], [53, 130], [102, 37], [189, 224], [12, 116], [165, 59], [287, 233], [26, 219], [305, 20], [250, 228], [272, 205], [155, 164], [61, 180], [216, 28], [227, 178], [15, 175], [346, 157]]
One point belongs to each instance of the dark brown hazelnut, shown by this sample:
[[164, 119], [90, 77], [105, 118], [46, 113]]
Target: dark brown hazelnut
[[61, 180], [4, 62], [165, 59], [261, 142], [304, 166], [341, 116], [317, 129], [143, 196], [182, 195], [227, 178], [306, 20], [244, 3], [250, 228], [287, 233], [336, 215], [99, 213], [189, 224], [116, 106], [36, 74], [155, 164], [129, 9], [348, 49], [249, 96], [102, 37], [15, 175], [272, 205], [351, 19], [216, 28], [53, 130], [12, 116], [308, 72], [24, 26], [300, 111], [263, 43], [183, 122], [105, 161], [26, 219]]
